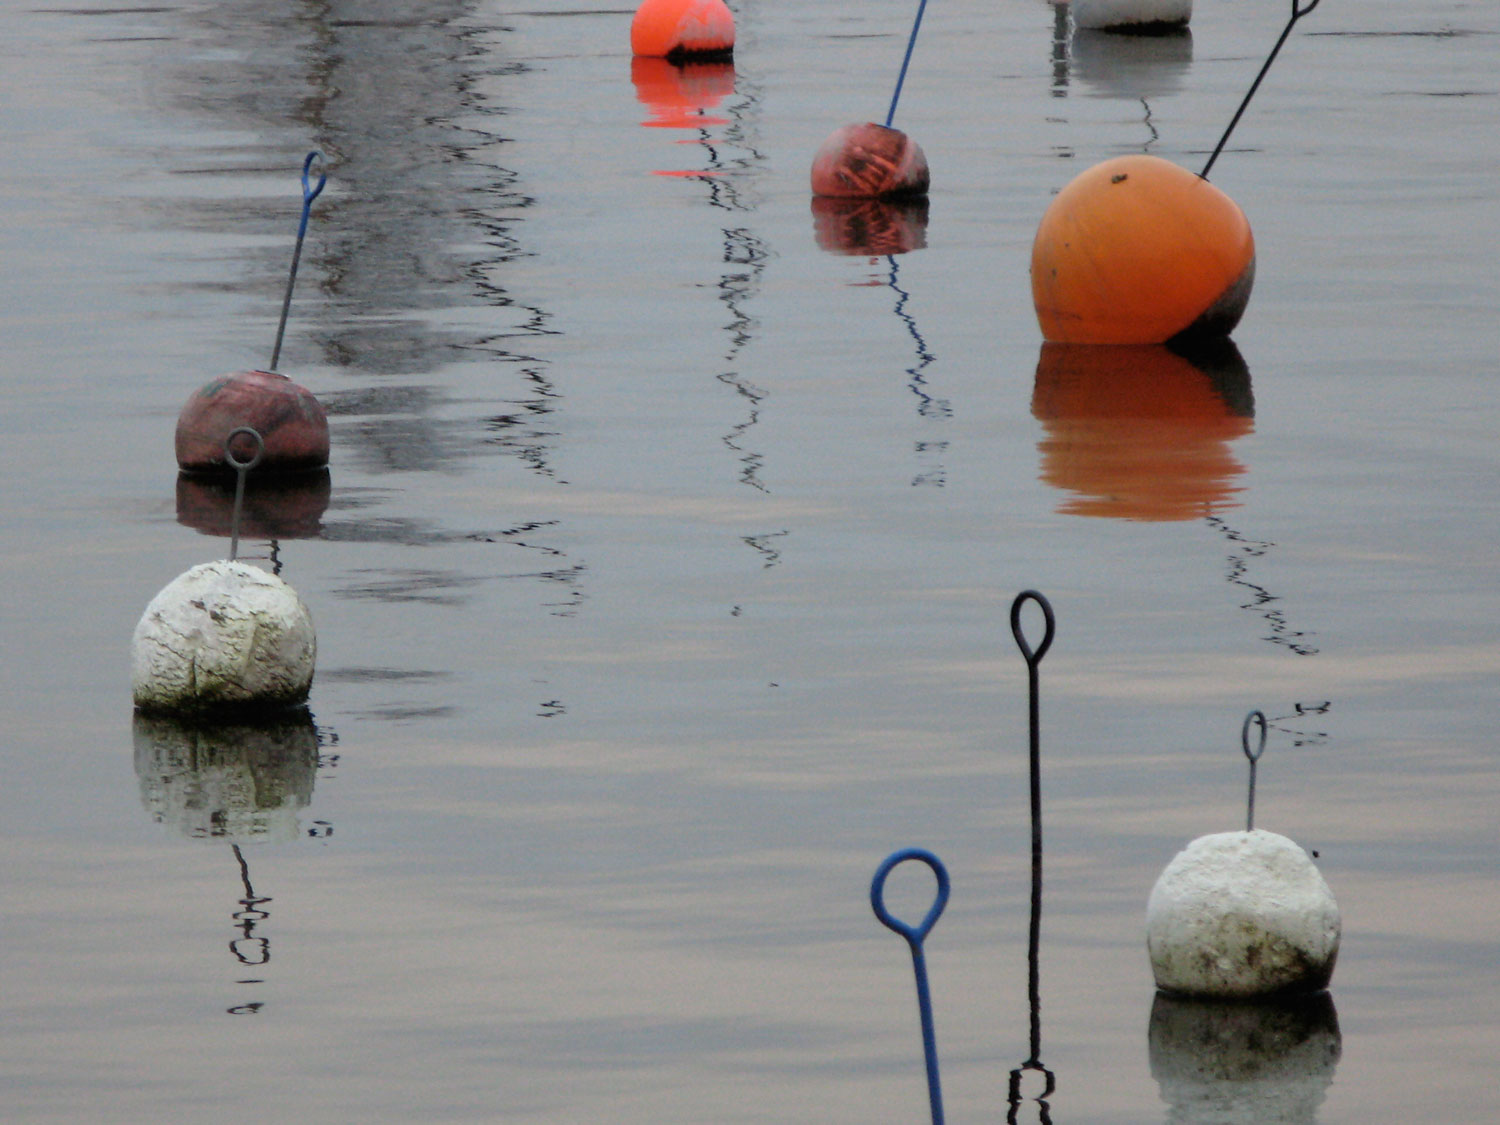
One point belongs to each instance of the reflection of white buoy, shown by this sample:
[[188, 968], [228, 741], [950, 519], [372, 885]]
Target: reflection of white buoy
[[1131, 15], [1240, 915], [222, 636], [1244, 1064], [238, 782]]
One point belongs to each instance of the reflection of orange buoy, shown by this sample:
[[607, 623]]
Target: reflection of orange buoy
[[1142, 432], [870, 226], [869, 161], [680, 29], [288, 418], [677, 96], [1138, 250], [279, 507]]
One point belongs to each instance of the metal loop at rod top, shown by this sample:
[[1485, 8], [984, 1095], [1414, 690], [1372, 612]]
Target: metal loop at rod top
[[1253, 719], [1032, 657], [914, 936], [241, 470]]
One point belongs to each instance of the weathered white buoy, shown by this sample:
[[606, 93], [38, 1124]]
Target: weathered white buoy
[[1242, 914], [1131, 15], [223, 636]]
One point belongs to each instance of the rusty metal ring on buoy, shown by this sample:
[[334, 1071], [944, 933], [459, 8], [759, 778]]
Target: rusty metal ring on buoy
[[236, 463]]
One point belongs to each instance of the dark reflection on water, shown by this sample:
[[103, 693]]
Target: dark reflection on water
[[1216, 1063], [1131, 66], [408, 245], [237, 783], [274, 507]]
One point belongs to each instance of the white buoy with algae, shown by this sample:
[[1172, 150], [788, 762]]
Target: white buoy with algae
[[1240, 915], [222, 636]]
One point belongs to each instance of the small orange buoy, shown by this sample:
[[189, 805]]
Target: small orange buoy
[[290, 421], [869, 161], [1138, 250], [682, 29]]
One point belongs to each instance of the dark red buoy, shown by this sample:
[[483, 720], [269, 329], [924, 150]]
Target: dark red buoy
[[288, 418], [869, 161]]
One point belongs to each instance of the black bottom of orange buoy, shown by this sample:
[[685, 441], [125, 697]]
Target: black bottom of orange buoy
[[682, 30], [1138, 250], [869, 161], [290, 421]]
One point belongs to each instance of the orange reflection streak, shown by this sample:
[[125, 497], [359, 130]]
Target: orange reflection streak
[[679, 96], [1142, 432]]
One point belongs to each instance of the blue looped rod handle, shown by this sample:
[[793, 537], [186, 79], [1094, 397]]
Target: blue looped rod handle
[[309, 193], [914, 936]]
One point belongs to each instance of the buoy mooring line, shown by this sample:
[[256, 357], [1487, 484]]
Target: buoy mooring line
[[905, 61], [1298, 11], [309, 193]]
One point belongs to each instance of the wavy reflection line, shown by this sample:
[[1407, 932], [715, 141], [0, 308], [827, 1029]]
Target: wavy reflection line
[[1281, 632], [929, 406]]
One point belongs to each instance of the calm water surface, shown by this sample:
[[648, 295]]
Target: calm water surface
[[663, 568]]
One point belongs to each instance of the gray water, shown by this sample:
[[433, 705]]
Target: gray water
[[663, 570]]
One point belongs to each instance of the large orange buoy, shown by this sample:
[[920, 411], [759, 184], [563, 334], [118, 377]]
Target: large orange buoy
[[1142, 432], [290, 421], [869, 161], [1138, 250], [682, 29]]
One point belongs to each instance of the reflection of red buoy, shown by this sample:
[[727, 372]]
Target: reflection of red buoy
[[869, 161], [679, 95], [1143, 432], [275, 507], [1138, 250], [682, 29], [288, 418], [870, 226]]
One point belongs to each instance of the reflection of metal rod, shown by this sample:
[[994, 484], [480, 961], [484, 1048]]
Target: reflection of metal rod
[[1253, 717], [1298, 11], [914, 936], [1033, 979]]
